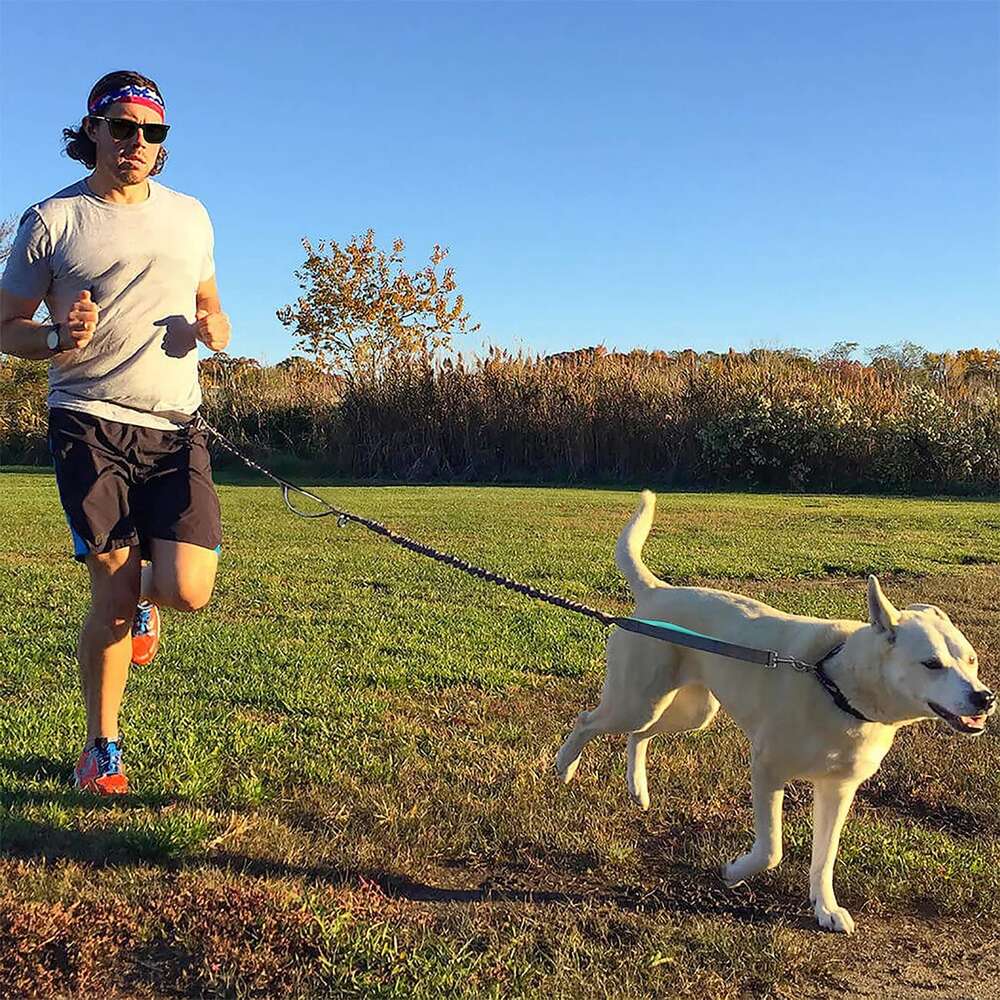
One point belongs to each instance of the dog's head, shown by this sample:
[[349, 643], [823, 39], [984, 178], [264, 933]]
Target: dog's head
[[928, 664]]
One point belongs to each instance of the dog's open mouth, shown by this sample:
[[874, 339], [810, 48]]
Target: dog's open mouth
[[961, 723]]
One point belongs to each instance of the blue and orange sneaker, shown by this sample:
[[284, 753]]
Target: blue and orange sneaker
[[100, 768], [145, 633]]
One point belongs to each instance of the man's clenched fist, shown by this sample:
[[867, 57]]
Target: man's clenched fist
[[82, 319], [213, 329]]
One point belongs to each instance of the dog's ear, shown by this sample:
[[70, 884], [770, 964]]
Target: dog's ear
[[883, 616]]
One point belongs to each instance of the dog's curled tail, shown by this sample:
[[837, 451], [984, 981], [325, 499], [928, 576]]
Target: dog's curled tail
[[628, 551]]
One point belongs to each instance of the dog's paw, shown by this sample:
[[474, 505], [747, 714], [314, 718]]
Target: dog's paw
[[747, 865], [733, 874], [566, 770], [641, 799], [834, 918]]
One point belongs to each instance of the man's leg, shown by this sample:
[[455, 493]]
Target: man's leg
[[104, 648], [181, 576]]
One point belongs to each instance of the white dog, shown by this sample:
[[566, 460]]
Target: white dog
[[901, 667]]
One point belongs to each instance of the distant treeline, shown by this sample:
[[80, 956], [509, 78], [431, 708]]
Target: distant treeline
[[907, 421]]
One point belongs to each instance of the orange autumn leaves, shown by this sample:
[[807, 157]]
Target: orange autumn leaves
[[361, 311]]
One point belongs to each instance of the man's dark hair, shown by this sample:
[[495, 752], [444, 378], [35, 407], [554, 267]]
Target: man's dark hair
[[79, 145]]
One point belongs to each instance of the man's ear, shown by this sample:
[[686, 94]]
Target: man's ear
[[882, 615]]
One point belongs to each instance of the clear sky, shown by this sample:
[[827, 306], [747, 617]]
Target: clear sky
[[661, 175]]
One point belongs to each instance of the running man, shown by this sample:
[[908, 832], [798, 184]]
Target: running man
[[125, 266]]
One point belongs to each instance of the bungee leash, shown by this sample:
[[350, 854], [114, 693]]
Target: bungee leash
[[665, 631]]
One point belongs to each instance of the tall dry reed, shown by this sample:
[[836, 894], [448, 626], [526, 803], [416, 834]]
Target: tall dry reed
[[768, 419]]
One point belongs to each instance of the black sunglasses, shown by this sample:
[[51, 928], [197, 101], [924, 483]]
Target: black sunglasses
[[123, 129]]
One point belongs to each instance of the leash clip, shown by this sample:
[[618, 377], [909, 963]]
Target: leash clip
[[777, 660], [342, 520]]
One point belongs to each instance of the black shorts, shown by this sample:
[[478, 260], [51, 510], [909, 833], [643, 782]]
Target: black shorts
[[123, 485]]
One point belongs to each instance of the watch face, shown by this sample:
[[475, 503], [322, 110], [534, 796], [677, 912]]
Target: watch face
[[53, 340]]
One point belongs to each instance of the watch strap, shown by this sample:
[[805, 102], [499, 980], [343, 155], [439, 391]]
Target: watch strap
[[57, 330]]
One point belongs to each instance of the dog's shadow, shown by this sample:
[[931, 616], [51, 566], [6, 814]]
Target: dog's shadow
[[696, 894], [679, 889]]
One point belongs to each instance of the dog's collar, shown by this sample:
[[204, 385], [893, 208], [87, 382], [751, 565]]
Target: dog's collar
[[835, 693]]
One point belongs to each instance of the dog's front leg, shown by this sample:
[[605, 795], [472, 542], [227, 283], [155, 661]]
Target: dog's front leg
[[831, 802], [768, 796]]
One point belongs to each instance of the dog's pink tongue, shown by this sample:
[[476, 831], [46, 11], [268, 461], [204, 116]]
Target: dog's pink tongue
[[975, 721]]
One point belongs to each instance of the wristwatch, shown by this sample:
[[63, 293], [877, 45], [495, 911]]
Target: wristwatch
[[54, 339]]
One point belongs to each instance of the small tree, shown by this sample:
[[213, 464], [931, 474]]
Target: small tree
[[839, 353], [8, 230], [904, 355], [356, 317]]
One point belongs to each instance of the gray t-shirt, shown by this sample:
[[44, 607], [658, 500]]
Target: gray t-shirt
[[143, 264]]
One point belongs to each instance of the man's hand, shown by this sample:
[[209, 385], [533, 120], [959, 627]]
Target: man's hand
[[212, 329], [82, 320]]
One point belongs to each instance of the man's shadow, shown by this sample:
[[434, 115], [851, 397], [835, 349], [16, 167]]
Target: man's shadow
[[35, 768], [179, 336]]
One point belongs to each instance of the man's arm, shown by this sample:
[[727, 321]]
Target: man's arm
[[207, 296], [212, 324], [20, 335]]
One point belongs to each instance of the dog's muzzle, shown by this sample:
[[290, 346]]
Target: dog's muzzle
[[985, 701]]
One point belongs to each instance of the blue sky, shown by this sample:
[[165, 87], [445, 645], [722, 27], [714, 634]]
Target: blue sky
[[664, 175]]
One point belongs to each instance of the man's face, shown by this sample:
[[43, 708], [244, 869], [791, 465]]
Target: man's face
[[128, 160]]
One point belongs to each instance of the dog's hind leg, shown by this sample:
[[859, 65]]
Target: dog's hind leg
[[568, 757], [636, 772], [639, 684], [602, 721], [692, 707]]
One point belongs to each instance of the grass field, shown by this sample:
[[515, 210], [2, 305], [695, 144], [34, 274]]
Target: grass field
[[343, 767]]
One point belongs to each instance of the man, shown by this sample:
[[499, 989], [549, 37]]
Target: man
[[125, 266]]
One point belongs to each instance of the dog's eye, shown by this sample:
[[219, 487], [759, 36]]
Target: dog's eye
[[934, 664]]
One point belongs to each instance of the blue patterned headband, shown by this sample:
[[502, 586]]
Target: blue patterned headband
[[130, 93]]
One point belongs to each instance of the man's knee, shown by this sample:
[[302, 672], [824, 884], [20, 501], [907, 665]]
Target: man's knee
[[112, 614], [191, 600], [107, 630], [114, 590], [185, 594]]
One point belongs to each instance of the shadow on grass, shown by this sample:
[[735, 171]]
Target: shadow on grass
[[37, 768], [949, 818], [72, 798], [33, 767], [26, 470], [164, 841], [697, 894], [693, 893]]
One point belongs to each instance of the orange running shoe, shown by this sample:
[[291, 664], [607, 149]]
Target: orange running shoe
[[100, 769], [145, 633]]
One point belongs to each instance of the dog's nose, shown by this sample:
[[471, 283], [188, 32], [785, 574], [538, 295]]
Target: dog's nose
[[984, 699]]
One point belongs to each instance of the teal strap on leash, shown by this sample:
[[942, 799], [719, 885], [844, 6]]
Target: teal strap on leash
[[696, 640]]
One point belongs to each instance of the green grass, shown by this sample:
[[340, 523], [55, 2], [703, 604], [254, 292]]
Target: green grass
[[343, 767]]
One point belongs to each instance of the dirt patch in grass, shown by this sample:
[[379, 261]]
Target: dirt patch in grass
[[912, 959]]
